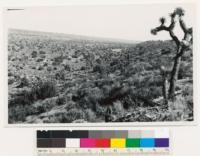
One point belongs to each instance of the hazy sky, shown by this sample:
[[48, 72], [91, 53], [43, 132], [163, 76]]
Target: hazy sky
[[130, 22]]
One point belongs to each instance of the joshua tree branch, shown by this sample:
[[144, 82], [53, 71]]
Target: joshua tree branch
[[169, 29], [173, 22], [174, 37], [183, 25], [161, 28]]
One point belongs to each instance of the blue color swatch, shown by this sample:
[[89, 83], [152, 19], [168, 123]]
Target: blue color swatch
[[147, 142]]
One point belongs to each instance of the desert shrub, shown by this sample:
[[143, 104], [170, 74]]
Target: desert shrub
[[60, 100], [9, 57], [95, 95], [118, 107], [69, 58], [83, 68], [13, 59], [10, 73], [45, 63], [185, 70], [34, 54], [39, 91], [101, 69], [71, 115], [106, 81], [45, 89], [138, 80], [60, 75], [187, 93], [70, 105], [114, 62], [138, 67], [89, 98], [148, 93], [43, 56], [74, 56], [155, 91], [133, 69], [11, 80], [45, 105], [39, 60], [152, 80], [187, 90], [24, 81], [42, 52], [106, 89], [49, 68], [22, 97], [67, 67], [179, 110], [187, 56], [90, 115], [19, 113], [58, 60], [128, 101]]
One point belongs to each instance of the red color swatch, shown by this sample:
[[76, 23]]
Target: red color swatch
[[104, 143]]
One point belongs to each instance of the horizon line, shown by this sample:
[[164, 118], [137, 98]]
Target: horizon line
[[88, 36]]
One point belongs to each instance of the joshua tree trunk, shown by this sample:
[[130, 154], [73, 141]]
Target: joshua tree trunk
[[182, 46], [174, 77]]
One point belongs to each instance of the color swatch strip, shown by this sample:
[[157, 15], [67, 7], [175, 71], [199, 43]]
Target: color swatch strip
[[102, 139]]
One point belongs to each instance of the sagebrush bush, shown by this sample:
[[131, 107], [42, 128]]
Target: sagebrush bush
[[58, 60], [60, 100], [19, 113], [180, 109], [16, 114], [90, 115], [187, 90], [70, 105], [118, 107], [60, 75], [185, 70], [45, 90], [46, 105], [34, 54], [39, 91], [71, 115]]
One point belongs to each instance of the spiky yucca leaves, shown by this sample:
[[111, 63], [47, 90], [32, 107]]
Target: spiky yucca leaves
[[179, 11], [153, 32], [162, 20], [172, 15]]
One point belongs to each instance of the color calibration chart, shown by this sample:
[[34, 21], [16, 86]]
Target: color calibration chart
[[103, 142]]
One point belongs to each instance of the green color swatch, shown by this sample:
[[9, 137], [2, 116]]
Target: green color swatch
[[132, 142]]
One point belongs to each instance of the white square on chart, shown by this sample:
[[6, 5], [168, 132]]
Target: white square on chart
[[73, 143]]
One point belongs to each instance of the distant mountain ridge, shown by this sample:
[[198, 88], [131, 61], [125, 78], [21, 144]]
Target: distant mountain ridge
[[70, 36]]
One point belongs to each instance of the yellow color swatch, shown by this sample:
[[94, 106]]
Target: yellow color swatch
[[118, 143]]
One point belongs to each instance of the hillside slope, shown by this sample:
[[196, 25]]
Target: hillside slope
[[54, 79]]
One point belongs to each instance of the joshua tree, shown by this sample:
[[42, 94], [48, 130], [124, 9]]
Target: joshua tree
[[182, 45]]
